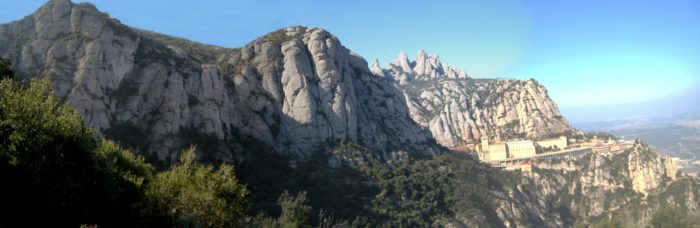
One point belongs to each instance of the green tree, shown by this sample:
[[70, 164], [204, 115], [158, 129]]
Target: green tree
[[6, 69], [45, 157], [607, 223], [54, 169], [192, 194], [295, 212], [122, 164], [669, 218]]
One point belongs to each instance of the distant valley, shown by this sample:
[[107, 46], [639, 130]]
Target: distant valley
[[676, 135]]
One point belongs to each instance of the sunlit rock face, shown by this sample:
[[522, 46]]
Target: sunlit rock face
[[293, 90], [458, 109], [615, 184]]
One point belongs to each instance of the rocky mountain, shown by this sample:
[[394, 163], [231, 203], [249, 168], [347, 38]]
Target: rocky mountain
[[629, 186], [293, 90], [424, 67], [458, 109], [363, 141]]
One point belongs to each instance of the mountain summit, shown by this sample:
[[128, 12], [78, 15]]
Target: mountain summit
[[293, 90], [458, 109], [423, 67]]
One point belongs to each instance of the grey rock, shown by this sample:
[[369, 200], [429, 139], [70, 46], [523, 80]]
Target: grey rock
[[459, 110], [293, 90]]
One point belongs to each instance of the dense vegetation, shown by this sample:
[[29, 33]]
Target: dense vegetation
[[5, 69], [58, 174], [356, 187], [61, 174]]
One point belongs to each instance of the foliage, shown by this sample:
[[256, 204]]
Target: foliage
[[6, 69], [361, 189], [58, 174], [45, 154], [607, 223], [123, 164], [668, 217], [36, 129], [192, 194], [295, 213]]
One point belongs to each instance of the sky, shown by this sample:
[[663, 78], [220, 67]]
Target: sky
[[594, 56]]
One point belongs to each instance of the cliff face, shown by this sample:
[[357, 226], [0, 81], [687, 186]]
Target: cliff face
[[292, 90], [460, 110], [628, 186]]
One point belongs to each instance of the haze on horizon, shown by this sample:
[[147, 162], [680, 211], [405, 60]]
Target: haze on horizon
[[598, 59]]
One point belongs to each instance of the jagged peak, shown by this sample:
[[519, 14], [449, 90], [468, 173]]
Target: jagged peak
[[423, 67], [376, 69]]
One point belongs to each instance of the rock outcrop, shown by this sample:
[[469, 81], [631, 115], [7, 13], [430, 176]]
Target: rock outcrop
[[630, 185], [424, 67], [458, 109], [293, 90]]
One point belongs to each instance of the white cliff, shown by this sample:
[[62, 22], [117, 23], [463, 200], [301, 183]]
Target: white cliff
[[292, 90], [458, 109]]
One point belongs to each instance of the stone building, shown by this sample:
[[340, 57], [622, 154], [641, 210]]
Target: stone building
[[520, 149], [501, 151], [561, 142]]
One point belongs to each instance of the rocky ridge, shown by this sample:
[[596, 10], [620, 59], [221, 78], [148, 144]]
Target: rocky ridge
[[292, 90], [629, 185], [458, 109]]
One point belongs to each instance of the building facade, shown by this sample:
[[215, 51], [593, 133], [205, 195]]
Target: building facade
[[520, 149], [560, 143]]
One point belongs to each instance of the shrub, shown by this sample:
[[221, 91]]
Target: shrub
[[192, 194]]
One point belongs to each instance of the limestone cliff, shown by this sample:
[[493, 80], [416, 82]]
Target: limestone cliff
[[628, 186], [458, 109], [292, 90]]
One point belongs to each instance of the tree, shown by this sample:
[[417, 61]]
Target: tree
[[55, 171], [192, 194], [47, 160], [295, 212], [6, 69], [45, 157], [669, 217], [607, 223]]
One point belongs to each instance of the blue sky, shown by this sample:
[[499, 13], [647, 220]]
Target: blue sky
[[589, 54]]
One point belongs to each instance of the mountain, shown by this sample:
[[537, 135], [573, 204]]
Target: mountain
[[296, 111], [293, 90], [458, 109], [629, 187], [424, 67]]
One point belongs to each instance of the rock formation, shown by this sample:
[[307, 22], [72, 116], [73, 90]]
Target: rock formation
[[627, 185], [292, 90], [458, 109]]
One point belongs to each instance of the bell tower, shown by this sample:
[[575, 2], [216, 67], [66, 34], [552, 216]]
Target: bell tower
[[485, 143]]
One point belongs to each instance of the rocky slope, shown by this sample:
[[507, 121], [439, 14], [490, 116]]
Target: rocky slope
[[458, 109], [293, 89], [627, 186]]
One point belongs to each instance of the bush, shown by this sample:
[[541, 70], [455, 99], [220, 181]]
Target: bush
[[45, 157], [6, 69], [192, 194], [669, 217]]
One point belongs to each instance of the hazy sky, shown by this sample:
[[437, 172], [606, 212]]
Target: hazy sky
[[592, 53]]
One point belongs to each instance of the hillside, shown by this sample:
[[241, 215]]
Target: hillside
[[293, 90], [458, 109]]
